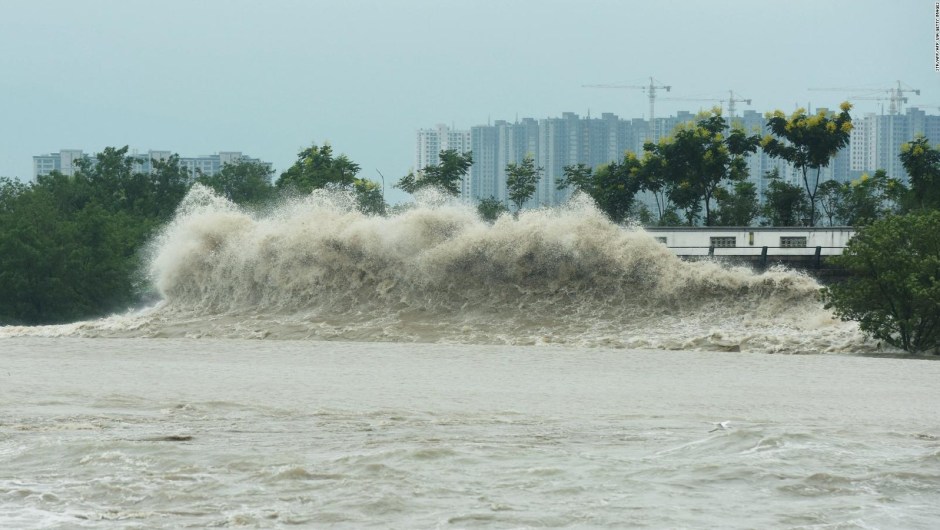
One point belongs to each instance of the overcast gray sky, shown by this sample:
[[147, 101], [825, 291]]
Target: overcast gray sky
[[270, 77]]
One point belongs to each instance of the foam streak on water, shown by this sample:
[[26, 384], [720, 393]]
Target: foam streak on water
[[317, 268], [176, 433]]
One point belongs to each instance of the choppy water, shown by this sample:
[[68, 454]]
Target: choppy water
[[173, 433], [429, 370]]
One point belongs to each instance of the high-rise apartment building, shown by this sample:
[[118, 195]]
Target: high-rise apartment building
[[877, 139], [65, 162], [441, 138], [570, 139], [553, 143]]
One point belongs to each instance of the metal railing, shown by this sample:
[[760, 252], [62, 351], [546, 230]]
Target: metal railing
[[762, 254]]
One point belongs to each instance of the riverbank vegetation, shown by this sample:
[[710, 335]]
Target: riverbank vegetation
[[893, 290], [72, 247]]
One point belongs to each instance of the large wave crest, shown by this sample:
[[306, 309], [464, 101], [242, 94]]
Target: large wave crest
[[315, 267]]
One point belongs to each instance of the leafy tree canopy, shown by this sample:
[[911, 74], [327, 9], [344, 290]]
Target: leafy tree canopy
[[447, 175], [893, 289], [491, 208], [698, 159], [922, 163], [738, 206], [317, 168], [243, 182], [784, 204], [612, 186], [808, 142], [521, 180]]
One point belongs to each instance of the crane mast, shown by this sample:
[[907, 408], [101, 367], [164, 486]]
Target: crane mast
[[894, 95], [732, 99], [650, 91]]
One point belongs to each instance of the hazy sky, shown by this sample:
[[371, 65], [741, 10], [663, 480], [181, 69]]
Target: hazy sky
[[270, 77]]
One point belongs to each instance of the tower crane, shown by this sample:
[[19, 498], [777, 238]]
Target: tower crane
[[895, 95], [650, 90], [732, 99]]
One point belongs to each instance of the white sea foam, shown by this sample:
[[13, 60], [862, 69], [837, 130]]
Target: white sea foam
[[317, 268]]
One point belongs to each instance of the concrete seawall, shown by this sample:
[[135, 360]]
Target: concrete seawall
[[804, 248]]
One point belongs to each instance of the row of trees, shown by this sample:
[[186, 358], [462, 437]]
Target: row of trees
[[71, 247], [699, 174]]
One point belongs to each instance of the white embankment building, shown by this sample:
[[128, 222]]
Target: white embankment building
[[756, 242]]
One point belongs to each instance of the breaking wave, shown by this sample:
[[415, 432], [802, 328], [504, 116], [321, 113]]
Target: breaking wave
[[317, 268]]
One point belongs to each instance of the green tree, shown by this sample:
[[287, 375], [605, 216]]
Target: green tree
[[167, 183], [613, 186], [808, 143], [521, 180], [642, 214], [580, 177], [369, 197], [738, 206], [408, 183], [112, 180], [893, 289], [491, 208], [59, 264], [70, 245], [699, 158], [244, 182], [447, 175], [922, 163], [316, 168], [784, 204], [831, 193], [869, 198]]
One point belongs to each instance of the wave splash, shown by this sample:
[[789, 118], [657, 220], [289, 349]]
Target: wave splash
[[317, 268]]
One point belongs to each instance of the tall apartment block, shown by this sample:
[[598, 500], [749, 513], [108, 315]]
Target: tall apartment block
[[554, 143], [441, 138]]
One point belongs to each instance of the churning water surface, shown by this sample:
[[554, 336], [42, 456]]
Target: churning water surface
[[174, 433], [428, 369]]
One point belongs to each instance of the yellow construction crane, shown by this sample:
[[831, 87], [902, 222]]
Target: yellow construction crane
[[895, 95], [650, 90]]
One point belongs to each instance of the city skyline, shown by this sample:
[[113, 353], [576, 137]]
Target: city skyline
[[568, 140], [365, 75]]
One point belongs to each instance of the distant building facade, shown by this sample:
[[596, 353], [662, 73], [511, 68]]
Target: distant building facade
[[554, 143], [66, 162], [877, 139], [430, 142]]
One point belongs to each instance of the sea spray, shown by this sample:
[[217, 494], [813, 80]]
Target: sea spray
[[317, 268]]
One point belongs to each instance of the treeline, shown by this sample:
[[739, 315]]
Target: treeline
[[71, 247]]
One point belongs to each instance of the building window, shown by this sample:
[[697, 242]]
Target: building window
[[792, 242], [724, 242]]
